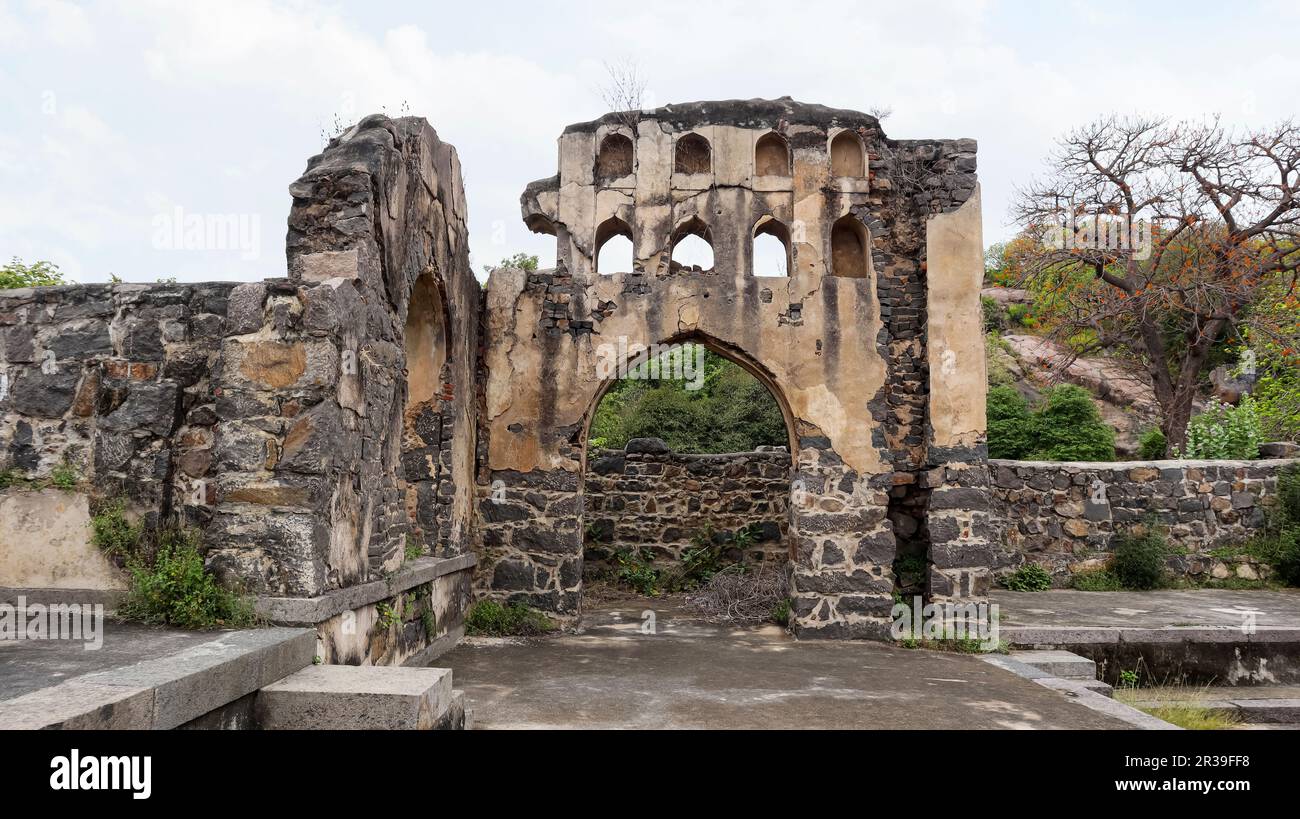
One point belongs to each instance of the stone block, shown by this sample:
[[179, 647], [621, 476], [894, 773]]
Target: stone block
[[344, 697]]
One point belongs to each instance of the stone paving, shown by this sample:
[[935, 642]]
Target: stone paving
[[696, 674]]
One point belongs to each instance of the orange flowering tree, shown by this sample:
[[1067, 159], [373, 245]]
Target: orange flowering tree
[[1154, 239]]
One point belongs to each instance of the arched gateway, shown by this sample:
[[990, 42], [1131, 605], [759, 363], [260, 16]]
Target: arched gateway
[[880, 373]]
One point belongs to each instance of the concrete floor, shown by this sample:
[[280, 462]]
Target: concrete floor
[[695, 674], [1152, 609]]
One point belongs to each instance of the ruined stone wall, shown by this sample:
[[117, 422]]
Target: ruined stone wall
[[323, 477], [1065, 516], [113, 380], [650, 498], [320, 429], [845, 355]]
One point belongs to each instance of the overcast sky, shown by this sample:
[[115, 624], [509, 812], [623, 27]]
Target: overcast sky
[[117, 117]]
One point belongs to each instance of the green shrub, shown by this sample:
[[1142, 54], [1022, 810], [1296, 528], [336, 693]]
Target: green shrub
[[488, 618], [172, 588], [1068, 427], [1096, 580], [1028, 578], [994, 319], [38, 274], [65, 477], [781, 612], [1224, 432], [1021, 315], [112, 532], [1140, 558], [1277, 404], [635, 571], [1010, 424], [1152, 445], [1279, 544]]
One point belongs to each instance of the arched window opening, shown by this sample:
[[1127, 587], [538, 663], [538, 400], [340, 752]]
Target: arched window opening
[[771, 255], [849, 249], [692, 248], [771, 156], [614, 159], [692, 155], [847, 155], [613, 247]]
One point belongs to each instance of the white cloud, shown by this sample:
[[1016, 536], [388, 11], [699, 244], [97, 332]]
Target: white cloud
[[216, 107]]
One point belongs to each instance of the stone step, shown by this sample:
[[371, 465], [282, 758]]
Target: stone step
[[1064, 664], [348, 697]]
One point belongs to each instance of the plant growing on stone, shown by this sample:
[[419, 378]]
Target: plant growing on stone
[[385, 616], [1098, 580], [112, 531], [489, 618], [37, 274], [1028, 578], [635, 571], [171, 587], [1140, 557], [65, 477], [413, 547], [1279, 544]]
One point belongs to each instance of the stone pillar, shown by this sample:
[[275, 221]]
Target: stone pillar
[[959, 516]]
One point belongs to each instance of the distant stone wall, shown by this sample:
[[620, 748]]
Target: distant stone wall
[[652, 498], [1064, 516], [114, 380]]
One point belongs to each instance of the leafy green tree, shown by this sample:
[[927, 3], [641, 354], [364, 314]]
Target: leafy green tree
[[38, 274]]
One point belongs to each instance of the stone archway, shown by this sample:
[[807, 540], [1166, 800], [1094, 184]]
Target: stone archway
[[680, 496]]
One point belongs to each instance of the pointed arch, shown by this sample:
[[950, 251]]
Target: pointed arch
[[615, 229], [766, 258], [771, 155], [850, 248], [615, 158], [692, 155], [848, 155], [691, 245]]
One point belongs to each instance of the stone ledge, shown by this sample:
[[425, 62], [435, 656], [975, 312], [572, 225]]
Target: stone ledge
[[1164, 464], [310, 611], [1056, 636], [167, 691]]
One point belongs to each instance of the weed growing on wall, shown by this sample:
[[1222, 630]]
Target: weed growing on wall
[[171, 587], [488, 618], [168, 582], [1140, 558], [1028, 578]]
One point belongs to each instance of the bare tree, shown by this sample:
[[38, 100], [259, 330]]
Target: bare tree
[[624, 91], [1222, 212]]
